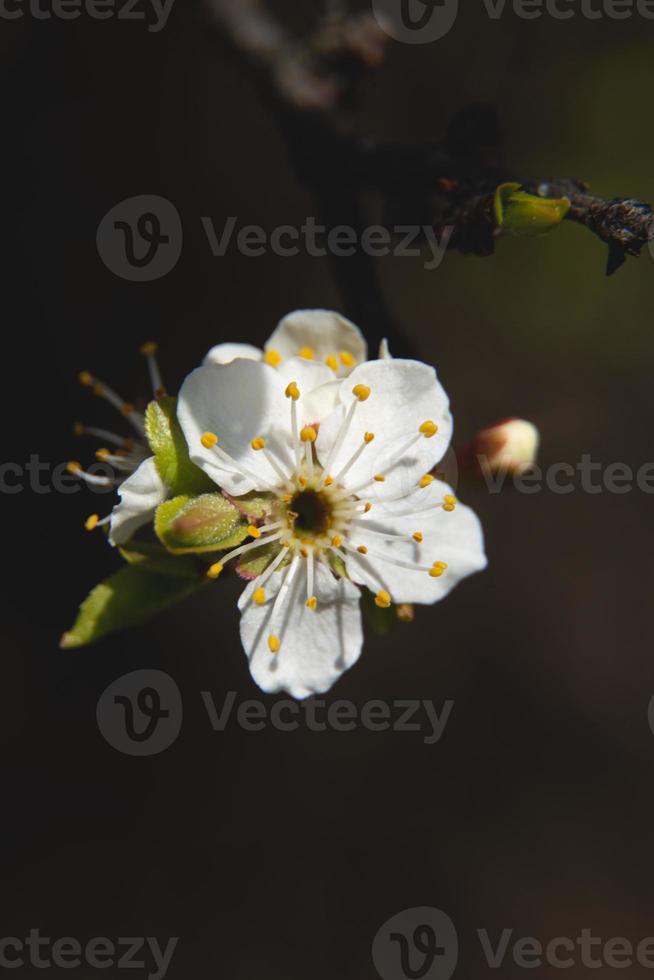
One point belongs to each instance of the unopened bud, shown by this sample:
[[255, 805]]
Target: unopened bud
[[508, 447]]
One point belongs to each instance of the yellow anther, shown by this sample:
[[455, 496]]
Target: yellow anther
[[367, 508], [272, 357], [127, 409], [448, 508], [428, 429], [292, 391], [302, 480], [150, 348], [437, 569], [347, 359], [78, 429], [308, 434], [91, 522], [337, 541], [102, 455], [253, 531], [427, 480], [74, 467], [362, 549], [258, 443], [215, 570], [328, 481], [362, 392], [209, 440], [332, 362], [287, 498], [274, 644], [259, 597], [450, 499], [85, 378], [449, 503], [368, 437], [308, 353], [304, 552], [383, 600], [380, 478], [418, 537], [312, 603]]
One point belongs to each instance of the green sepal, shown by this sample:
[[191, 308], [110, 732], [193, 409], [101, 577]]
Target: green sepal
[[527, 215], [252, 564], [170, 451], [381, 621], [193, 525], [153, 558], [126, 599], [254, 505]]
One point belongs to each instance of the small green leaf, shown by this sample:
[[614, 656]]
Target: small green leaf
[[169, 447], [527, 215], [381, 621], [153, 558], [192, 525], [128, 598]]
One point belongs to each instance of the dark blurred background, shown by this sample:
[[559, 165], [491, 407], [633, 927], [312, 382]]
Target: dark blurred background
[[280, 855]]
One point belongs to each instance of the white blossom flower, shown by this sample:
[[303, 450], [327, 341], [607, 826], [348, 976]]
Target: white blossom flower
[[136, 478], [315, 335], [346, 465]]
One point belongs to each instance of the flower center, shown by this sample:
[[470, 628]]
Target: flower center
[[310, 512]]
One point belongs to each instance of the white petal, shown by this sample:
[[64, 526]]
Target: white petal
[[140, 495], [237, 402], [455, 538], [325, 332], [403, 395], [226, 353], [317, 647]]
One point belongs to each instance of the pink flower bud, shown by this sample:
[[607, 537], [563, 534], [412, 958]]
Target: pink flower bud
[[507, 447]]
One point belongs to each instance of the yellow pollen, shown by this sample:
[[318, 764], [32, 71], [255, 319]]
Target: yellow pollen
[[368, 437], [127, 409], [383, 600], [337, 541], [367, 508], [302, 480], [102, 455], [292, 391], [259, 597], [78, 429], [380, 479], [209, 440], [274, 644], [91, 522], [258, 443], [418, 536], [304, 552], [437, 569], [428, 429], [308, 353], [332, 362], [287, 498], [450, 503], [312, 603], [74, 467], [85, 378], [253, 531], [450, 499], [362, 549], [150, 348], [308, 434], [448, 508], [328, 481], [347, 359], [362, 392], [427, 480], [215, 570], [272, 357]]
